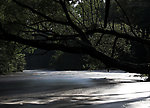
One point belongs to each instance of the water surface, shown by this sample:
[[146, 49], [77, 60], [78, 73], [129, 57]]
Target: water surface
[[74, 89]]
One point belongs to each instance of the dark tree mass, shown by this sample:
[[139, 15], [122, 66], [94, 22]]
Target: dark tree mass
[[115, 32]]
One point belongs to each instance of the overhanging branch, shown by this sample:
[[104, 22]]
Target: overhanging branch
[[120, 35], [108, 61], [41, 44]]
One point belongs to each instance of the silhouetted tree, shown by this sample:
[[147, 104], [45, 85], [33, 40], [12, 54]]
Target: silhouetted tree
[[75, 26]]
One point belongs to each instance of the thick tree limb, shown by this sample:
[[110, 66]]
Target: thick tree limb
[[108, 61], [120, 35], [40, 44]]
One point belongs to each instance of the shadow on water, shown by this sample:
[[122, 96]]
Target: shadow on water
[[89, 97], [36, 87], [81, 101]]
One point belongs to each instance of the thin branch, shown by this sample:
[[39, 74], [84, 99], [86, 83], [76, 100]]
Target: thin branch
[[107, 7], [119, 35], [78, 21], [75, 27], [113, 48], [91, 8], [98, 42], [128, 20], [39, 13]]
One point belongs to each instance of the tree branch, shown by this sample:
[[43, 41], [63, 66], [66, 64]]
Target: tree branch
[[39, 13], [75, 27], [41, 44], [125, 14], [106, 12], [119, 35], [108, 61]]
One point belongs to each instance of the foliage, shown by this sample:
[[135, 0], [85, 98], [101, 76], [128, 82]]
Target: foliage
[[11, 60], [66, 61], [12, 57], [137, 17], [93, 64]]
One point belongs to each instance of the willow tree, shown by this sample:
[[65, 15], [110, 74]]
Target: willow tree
[[75, 26]]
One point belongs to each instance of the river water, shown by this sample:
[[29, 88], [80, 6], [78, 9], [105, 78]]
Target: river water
[[74, 89]]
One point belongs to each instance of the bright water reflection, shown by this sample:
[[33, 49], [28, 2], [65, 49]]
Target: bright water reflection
[[70, 89]]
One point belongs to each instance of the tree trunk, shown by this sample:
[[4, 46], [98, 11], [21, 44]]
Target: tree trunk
[[148, 79]]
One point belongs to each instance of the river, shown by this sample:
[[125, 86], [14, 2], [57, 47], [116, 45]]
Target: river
[[74, 89]]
